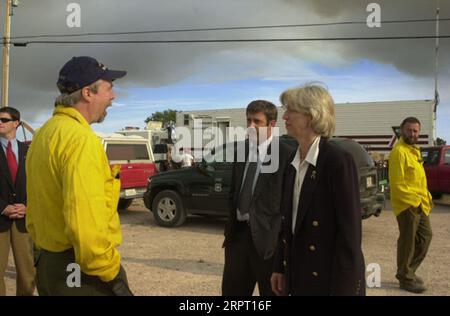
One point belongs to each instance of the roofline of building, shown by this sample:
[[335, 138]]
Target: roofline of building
[[336, 104]]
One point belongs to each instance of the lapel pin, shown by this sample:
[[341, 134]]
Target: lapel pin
[[313, 175]]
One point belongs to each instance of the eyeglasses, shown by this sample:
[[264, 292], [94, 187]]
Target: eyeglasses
[[5, 120]]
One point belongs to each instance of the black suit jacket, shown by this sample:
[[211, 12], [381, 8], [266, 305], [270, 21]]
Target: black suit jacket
[[323, 256], [9, 193], [264, 213]]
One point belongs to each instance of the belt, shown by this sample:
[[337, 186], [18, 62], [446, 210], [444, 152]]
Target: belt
[[65, 252], [69, 253]]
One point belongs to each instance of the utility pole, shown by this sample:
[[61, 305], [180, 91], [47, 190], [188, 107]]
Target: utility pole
[[436, 60], [6, 45], [436, 72]]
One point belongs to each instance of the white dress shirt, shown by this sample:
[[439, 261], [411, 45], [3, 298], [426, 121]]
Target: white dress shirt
[[15, 147], [301, 168], [262, 152]]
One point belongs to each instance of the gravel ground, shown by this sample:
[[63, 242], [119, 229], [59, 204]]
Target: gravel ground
[[188, 260]]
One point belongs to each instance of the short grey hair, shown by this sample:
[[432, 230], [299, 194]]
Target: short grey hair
[[314, 100], [73, 98]]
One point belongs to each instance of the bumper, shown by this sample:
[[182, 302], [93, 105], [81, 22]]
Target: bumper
[[147, 199], [132, 193], [372, 205]]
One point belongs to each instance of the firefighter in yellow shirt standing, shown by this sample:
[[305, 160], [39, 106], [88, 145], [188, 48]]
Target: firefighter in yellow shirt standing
[[73, 192], [411, 203]]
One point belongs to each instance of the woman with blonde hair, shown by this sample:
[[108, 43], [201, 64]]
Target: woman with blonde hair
[[319, 251]]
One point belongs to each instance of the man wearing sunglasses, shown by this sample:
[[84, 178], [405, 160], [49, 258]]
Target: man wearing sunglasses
[[72, 191], [13, 200]]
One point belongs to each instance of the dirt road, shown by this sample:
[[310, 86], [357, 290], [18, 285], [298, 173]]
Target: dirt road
[[188, 260]]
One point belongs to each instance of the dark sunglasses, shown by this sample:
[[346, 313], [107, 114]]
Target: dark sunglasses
[[6, 120]]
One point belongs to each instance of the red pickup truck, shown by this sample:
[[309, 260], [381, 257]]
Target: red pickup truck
[[134, 155], [436, 161]]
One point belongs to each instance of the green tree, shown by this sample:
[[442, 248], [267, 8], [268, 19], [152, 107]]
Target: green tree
[[164, 116], [440, 141]]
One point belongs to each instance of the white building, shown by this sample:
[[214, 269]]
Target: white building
[[371, 124]]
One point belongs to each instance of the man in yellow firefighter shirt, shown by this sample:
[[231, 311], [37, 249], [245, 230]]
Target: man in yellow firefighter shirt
[[411, 203], [73, 192]]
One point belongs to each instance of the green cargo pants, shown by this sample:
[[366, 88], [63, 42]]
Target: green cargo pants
[[53, 277], [413, 242]]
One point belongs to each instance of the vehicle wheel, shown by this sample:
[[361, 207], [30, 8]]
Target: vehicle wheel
[[124, 204], [436, 195], [168, 209]]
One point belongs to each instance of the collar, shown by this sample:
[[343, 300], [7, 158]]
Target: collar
[[4, 141], [71, 112], [311, 156], [262, 148], [410, 147]]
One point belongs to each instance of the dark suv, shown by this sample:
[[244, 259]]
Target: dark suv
[[204, 189]]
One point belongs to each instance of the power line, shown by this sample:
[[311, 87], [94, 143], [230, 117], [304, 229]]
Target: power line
[[228, 28], [250, 40]]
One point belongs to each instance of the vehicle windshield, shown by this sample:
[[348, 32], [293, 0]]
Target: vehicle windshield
[[359, 154], [127, 152]]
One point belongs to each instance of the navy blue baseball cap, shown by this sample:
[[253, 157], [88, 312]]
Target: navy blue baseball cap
[[82, 71]]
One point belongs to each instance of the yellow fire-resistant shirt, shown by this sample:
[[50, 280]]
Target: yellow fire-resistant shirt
[[407, 179], [73, 194]]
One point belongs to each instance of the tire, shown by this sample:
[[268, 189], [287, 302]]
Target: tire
[[436, 195], [378, 212], [168, 209], [124, 204]]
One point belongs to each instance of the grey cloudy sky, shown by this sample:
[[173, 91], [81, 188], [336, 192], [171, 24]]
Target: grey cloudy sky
[[34, 68]]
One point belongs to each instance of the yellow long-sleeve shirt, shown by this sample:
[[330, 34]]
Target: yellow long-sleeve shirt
[[73, 194], [407, 179]]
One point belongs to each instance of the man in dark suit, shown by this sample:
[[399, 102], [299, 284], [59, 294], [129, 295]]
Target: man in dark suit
[[13, 200], [251, 233]]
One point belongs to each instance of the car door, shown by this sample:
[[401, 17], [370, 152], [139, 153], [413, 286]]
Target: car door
[[199, 189], [444, 172], [430, 158], [220, 186], [211, 190]]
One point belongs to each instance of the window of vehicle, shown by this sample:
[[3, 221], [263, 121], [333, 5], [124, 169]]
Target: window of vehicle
[[160, 149], [359, 154], [447, 157], [430, 157], [217, 158], [127, 152]]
